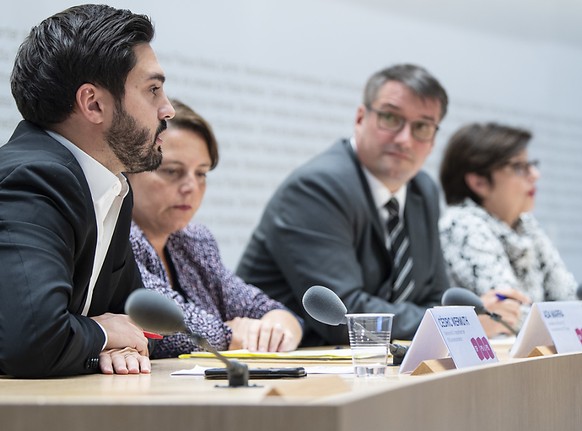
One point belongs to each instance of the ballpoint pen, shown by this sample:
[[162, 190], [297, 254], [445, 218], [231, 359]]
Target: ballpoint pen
[[152, 335], [503, 297]]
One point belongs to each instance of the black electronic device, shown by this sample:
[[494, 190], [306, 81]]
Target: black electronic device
[[259, 373]]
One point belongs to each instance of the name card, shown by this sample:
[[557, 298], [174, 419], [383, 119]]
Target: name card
[[454, 330], [556, 323]]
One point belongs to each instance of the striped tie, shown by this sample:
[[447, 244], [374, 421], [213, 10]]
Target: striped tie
[[403, 282]]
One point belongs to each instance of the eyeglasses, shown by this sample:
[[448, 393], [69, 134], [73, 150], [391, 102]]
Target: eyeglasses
[[177, 174], [420, 130], [523, 169]]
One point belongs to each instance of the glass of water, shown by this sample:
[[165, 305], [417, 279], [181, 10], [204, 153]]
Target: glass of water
[[370, 341]]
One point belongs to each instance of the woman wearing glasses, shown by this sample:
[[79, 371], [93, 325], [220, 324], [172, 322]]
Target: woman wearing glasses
[[181, 260], [491, 242]]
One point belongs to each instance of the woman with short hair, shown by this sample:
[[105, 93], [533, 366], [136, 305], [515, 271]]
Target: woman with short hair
[[180, 259], [491, 242]]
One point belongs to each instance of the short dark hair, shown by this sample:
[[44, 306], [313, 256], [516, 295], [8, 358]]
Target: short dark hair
[[87, 43], [186, 118], [418, 79], [480, 149]]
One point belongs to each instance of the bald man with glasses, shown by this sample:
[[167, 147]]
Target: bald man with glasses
[[361, 218]]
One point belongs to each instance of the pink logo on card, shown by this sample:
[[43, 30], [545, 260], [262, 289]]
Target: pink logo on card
[[477, 348], [488, 347], [483, 348]]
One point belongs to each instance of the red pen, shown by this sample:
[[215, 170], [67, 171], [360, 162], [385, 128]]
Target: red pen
[[152, 335]]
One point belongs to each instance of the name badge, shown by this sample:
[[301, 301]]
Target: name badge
[[454, 331], [556, 323]]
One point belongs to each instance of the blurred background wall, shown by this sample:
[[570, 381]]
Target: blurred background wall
[[280, 82]]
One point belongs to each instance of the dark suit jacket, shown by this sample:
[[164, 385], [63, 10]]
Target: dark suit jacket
[[47, 246], [322, 227]]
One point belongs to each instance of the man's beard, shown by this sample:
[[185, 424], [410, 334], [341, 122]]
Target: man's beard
[[133, 145]]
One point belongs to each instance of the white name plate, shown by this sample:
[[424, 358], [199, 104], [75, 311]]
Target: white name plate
[[454, 331], [556, 323]]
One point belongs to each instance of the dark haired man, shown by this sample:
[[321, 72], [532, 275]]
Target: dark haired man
[[361, 218], [90, 89]]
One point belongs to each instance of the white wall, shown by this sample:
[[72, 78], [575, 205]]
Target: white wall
[[281, 81]]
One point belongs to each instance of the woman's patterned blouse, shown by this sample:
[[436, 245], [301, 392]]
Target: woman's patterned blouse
[[483, 252], [212, 295]]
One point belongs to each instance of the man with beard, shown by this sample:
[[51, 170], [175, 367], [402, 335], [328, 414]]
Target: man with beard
[[90, 89], [361, 218]]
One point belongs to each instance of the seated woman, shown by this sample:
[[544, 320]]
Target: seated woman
[[491, 242], [180, 259]]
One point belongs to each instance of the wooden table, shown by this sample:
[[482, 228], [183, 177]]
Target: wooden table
[[542, 393]]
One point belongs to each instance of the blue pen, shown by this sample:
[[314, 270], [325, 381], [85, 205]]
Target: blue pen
[[503, 297]]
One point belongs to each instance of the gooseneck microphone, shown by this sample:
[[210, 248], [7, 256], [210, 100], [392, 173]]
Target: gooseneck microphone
[[154, 312], [462, 296], [326, 307]]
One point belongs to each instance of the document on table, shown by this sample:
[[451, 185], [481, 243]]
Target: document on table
[[199, 370], [311, 354]]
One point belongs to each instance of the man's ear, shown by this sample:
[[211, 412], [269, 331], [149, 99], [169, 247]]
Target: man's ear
[[360, 113], [478, 184], [89, 100], [358, 123]]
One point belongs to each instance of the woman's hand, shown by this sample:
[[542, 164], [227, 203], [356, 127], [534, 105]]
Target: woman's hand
[[276, 331], [507, 303]]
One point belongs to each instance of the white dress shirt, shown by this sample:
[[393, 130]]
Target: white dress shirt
[[382, 195], [107, 191]]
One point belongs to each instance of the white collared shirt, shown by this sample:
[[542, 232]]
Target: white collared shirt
[[107, 191], [382, 195]]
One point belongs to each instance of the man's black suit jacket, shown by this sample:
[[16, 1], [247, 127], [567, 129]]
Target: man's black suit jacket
[[321, 227], [48, 237]]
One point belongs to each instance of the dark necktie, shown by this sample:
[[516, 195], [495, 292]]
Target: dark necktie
[[399, 248]]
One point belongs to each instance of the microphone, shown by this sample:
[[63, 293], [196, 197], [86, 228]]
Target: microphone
[[154, 312], [462, 296], [326, 307]]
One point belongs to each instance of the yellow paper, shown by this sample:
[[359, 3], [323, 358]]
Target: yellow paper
[[313, 354]]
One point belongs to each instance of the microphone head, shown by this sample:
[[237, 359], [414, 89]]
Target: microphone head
[[324, 305], [154, 312], [462, 296], [579, 292]]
